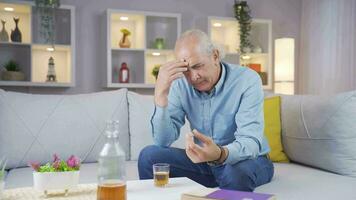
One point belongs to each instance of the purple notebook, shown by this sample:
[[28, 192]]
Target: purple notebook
[[238, 195]]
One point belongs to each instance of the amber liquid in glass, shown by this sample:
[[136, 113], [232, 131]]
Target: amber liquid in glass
[[112, 192], [161, 178]]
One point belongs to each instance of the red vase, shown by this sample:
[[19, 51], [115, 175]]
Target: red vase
[[124, 73]]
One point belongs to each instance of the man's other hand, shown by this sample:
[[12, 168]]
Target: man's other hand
[[208, 151]]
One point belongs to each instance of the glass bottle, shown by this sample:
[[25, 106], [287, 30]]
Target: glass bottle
[[111, 171]]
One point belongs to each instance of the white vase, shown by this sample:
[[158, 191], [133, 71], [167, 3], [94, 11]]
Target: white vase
[[246, 50], [44, 181], [257, 49]]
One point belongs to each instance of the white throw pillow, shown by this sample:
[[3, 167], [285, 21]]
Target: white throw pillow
[[141, 108], [34, 127], [320, 131]]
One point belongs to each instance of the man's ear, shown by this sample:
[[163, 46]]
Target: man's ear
[[216, 56]]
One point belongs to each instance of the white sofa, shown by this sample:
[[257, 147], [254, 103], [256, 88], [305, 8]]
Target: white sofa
[[33, 127]]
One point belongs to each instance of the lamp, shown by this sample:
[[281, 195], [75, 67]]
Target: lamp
[[284, 66]]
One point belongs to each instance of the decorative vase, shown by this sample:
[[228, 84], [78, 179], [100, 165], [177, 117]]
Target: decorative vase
[[124, 73], [12, 76], [159, 43], [51, 73], [4, 36], [257, 49], [124, 41], [16, 35], [45, 181]]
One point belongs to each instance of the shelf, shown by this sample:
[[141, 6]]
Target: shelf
[[62, 60], [145, 27], [134, 61], [224, 32], [31, 54], [15, 43], [21, 54], [37, 84], [23, 12], [260, 35], [126, 49], [153, 60], [62, 22], [161, 27], [135, 23]]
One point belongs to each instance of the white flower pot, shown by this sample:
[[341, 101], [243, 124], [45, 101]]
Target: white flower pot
[[45, 181]]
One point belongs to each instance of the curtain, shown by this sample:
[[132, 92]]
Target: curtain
[[328, 47]]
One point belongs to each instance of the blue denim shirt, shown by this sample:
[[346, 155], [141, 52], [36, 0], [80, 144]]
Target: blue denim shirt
[[231, 114]]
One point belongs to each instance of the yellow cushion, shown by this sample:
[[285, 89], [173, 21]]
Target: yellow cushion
[[273, 129]]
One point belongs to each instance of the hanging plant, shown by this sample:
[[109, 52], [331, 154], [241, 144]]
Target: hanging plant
[[243, 16], [46, 11]]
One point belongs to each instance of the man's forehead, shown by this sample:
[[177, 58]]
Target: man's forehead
[[191, 58], [187, 50]]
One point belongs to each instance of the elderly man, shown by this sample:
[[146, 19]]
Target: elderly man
[[224, 105]]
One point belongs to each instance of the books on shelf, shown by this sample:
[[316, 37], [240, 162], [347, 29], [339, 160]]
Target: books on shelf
[[221, 194]]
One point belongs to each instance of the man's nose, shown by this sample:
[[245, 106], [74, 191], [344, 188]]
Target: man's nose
[[194, 75]]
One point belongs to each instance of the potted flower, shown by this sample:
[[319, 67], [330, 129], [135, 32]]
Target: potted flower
[[59, 174], [12, 72], [2, 175], [155, 71], [124, 41]]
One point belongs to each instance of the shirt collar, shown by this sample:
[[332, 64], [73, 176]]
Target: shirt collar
[[220, 83]]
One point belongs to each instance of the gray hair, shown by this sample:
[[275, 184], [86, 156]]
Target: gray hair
[[205, 44]]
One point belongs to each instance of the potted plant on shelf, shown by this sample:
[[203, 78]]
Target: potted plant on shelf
[[243, 16], [124, 41], [58, 175], [45, 10], [155, 71], [2, 175], [12, 72]]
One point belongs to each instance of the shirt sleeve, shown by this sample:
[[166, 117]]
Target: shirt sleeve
[[250, 125], [167, 121]]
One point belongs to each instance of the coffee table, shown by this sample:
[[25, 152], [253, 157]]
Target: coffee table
[[136, 190]]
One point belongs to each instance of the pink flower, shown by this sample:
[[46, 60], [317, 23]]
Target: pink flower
[[73, 162], [56, 158], [35, 165], [56, 164]]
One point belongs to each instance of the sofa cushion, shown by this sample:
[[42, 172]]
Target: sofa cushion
[[141, 108], [295, 182], [320, 131], [272, 130], [34, 127]]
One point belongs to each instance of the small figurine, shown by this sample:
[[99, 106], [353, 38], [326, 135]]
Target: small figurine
[[51, 74]]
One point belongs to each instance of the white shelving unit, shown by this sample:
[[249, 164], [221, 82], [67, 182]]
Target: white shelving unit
[[224, 31], [142, 55], [32, 53]]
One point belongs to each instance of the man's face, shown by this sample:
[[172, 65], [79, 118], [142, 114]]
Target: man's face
[[203, 70]]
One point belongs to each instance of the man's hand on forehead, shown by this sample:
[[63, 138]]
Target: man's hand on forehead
[[189, 64]]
